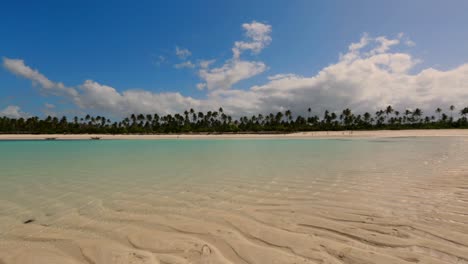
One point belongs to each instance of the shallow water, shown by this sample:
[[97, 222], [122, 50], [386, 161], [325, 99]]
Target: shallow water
[[248, 201]]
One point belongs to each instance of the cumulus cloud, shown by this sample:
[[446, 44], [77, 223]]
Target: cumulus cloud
[[201, 86], [230, 73], [406, 40], [366, 81], [18, 67], [384, 44], [49, 106], [236, 69], [182, 53], [368, 76], [185, 64], [206, 63], [13, 111], [259, 35], [107, 99]]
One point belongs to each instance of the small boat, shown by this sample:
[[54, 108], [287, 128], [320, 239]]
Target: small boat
[[95, 138], [51, 138]]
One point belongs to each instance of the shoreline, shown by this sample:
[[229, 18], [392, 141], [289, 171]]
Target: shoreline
[[295, 135]]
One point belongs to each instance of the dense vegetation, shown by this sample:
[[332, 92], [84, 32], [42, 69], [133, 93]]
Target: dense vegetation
[[219, 122]]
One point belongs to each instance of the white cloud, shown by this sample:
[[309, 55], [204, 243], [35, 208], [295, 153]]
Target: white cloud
[[236, 69], [185, 64], [369, 76], [406, 40], [365, 82], [282, 76], [13, 111], [258, 33], [355, 47], [410, 43], [230, 73], [385, 44], [206, 63], [18, 67], [49, 106], [159, 60], [107, 99], [201, 86], [182, 53]]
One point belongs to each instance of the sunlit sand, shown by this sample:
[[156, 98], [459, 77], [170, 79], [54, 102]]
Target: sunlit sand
[[317, 134], [366, 200]]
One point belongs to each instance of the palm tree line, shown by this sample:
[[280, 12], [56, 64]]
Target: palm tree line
[[218, 121]]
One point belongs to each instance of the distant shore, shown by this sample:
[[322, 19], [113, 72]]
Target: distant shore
[[297, 135]]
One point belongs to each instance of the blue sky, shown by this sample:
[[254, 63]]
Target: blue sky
[[125, 46]]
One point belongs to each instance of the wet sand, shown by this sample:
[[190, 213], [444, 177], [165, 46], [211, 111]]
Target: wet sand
[[375, 217]]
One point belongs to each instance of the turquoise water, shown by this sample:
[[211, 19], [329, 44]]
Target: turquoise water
[[25, 163], [34, 173], [107, 189]]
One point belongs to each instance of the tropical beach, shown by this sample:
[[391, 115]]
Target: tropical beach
[[234, 132], [293, 135]]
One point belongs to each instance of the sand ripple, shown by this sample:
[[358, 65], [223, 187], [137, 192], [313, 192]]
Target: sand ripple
[[365, 216]]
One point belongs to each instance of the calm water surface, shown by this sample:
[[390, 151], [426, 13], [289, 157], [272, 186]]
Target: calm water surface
[[48, 179], [400, 200]]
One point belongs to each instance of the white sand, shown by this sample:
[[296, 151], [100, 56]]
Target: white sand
[[383, 219], [369, 220], [299, 135]]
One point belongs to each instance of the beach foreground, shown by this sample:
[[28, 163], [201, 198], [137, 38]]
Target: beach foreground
[[297, 135], [369, 200]]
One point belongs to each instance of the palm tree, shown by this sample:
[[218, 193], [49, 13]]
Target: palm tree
[[220, 121], [388, 111], [279, 117], [397, 116], [288, 114], [333, 116], [452, 107], [149, 117], [156, 118], [444, 117], [103, 121], [464, 112], [347, 116], [326, 116], [438, 111], [417, 113], [380, 119], [367, 117], [407, 115]]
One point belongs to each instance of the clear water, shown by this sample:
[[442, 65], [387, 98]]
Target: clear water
[[46, 180]]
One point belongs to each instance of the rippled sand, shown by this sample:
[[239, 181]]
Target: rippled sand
[[410, 208]]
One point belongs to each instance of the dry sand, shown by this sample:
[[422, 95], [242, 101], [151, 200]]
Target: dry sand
[[298, 135], [369, 219]]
